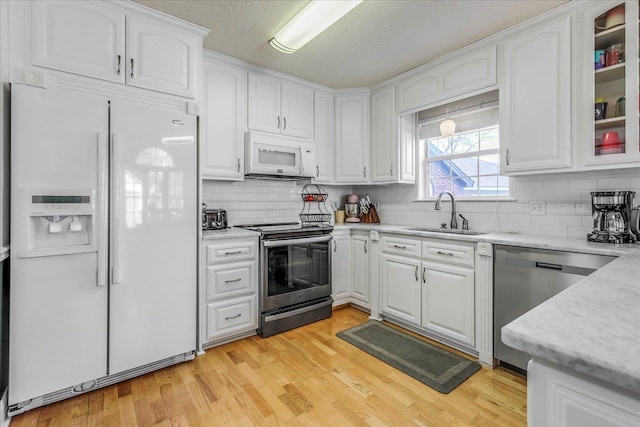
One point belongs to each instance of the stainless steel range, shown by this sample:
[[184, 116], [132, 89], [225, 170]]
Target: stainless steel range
[[295, 275]]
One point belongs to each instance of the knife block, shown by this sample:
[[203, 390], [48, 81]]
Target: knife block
[[371, 217]]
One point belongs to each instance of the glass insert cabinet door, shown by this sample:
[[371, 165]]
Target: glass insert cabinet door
[[613, 28]]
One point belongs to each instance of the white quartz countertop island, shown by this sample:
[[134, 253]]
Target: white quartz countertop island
[[592, 327]]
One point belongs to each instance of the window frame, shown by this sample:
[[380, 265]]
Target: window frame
[[423, 164]]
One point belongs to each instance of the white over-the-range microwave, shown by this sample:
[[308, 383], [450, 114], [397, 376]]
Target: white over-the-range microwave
[[275, 155]]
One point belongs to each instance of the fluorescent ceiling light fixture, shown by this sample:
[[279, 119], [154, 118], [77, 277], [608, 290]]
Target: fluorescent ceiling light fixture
[[316, 17]]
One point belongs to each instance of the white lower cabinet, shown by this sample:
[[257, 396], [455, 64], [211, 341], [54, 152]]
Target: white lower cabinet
[[400, 294], [560, 397], [448, 302], [360, 282], [341, 268], [429, 283], [229, 278]]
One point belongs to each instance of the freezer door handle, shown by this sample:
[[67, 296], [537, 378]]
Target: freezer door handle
[[102, 212], [116, 179]]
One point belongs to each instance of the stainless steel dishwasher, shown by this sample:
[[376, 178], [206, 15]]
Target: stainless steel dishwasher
[[526, 277]]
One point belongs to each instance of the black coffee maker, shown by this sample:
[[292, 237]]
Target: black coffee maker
[[611, 211]]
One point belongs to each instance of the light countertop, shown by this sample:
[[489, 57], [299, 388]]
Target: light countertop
[[228, 233], [592, 327]]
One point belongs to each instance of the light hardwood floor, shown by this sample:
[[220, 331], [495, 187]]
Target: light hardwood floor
[[303, 377]]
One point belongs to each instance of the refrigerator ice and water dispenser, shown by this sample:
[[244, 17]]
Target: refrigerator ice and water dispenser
[[59, 222]]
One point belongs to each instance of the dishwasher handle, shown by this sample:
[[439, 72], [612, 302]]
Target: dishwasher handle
[[561, 268], [548, 265]]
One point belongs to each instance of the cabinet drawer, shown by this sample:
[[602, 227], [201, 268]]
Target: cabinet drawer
[[232, 250], [401, 246], [449, 253], [231, 317], [227, 280]]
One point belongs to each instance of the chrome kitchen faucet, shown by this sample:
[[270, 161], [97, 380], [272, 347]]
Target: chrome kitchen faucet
[[454, 222]]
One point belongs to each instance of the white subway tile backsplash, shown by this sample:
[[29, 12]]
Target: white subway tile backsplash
[[554, 230], [567, 197], [555, 185], [613, 184], [569, 220], [545, 219], [582, 184]]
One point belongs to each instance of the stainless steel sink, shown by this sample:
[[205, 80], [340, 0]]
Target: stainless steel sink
[[447, 231]]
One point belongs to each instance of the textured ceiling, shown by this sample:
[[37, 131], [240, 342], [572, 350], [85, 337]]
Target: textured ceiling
[[377, 40]]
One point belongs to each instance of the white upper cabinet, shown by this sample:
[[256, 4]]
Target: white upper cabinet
[[535, 101], [84, 38], [159, 58], [109, 41], [297, 110], [225, 120], [324, 133], [384, 131], [279, 106], [451, 77], [352, 137]]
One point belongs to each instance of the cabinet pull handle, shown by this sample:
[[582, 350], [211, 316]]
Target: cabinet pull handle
[[364, 171], [238, 164], [445, 253], [335, 246], [508, 157], [399, 247], [317, 171], [233, 317], [284, 121], [416, 272], [278, 122], [365, 247], [233, 253], [226, 282], [424, 274], [132, 68], [119, 59], [391, 169]]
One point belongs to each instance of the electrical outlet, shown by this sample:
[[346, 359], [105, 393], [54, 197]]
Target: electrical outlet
[[537, 208]]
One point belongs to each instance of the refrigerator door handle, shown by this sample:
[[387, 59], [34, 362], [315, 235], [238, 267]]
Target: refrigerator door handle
[[102, 211], [116, 190]]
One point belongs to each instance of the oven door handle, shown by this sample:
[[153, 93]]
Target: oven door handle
[[274, 243]]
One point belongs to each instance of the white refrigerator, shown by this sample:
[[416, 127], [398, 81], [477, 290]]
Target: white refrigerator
[[104, 221]]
